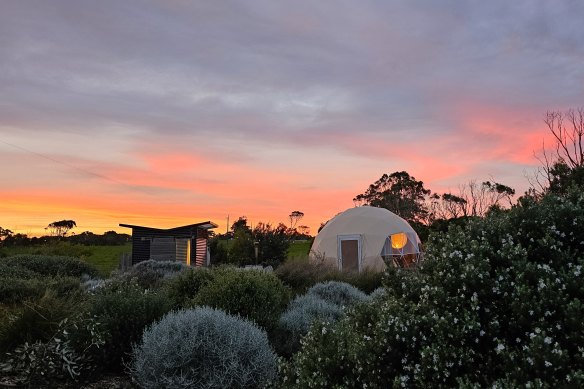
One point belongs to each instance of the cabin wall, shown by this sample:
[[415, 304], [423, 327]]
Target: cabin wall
[[170, 245]]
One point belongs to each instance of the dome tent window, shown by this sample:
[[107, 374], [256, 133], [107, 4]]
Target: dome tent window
[[399, 249]]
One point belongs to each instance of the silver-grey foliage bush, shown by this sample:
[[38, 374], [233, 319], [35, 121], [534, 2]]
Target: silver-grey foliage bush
[[339, 293], [324, 302], [163, 268], [378, 293], [306, 309], [203, 348]]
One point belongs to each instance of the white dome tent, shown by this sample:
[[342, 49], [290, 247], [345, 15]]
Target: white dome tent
[[366, 238]]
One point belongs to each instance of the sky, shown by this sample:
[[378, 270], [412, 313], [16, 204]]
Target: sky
[[165, 113]]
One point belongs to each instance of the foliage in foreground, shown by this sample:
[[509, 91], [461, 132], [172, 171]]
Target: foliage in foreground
[[124, 311], [324, 302], [203, 348], [497, 303], [253, 294], [62, 359]]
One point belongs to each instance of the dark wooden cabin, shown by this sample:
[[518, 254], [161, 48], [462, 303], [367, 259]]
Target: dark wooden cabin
[[187, 244]]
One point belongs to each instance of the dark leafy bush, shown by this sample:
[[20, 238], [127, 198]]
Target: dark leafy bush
[[47, 265], [56, 361], [187, 284], [203, 348], [17, 290], [12, 271], [338, 293], [253, 294], [35, 319], [497, 303], [300, 275], [124, 311]]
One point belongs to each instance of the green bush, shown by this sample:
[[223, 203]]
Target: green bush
[[12, 271], [124, 311], [56, 362], [47, 265], [300, 275], [203, 348], [253, 294], [34, 320], [187, 284], [16, 290], [497, 303]]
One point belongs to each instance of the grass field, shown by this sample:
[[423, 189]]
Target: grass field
[[107, 258], [104, 258], [299, 249]]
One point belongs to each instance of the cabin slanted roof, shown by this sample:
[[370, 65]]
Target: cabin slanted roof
[[204, 225]]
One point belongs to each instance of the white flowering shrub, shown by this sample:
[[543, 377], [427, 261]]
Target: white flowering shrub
[[497, 303], [203, 348], [338, 293]]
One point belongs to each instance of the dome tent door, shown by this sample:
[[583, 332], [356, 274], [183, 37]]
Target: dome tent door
[[349, 252]]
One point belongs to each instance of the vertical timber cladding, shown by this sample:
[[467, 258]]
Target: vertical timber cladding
[[163, 248]]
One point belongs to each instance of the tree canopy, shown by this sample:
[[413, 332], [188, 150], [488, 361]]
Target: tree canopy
[[61, 228], [400, 193]]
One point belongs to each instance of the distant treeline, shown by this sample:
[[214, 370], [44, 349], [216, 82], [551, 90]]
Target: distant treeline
[[109, 238]]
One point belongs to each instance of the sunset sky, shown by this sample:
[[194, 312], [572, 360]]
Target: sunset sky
[[169, 112]]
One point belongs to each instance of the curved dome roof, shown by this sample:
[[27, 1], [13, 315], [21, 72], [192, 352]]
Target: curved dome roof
[[374, 225], [367, 220]]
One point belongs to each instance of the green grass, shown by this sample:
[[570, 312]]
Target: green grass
[[103, 258], [299, 249]]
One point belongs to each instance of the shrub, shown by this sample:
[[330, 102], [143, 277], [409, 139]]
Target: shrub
[[13, 271], [323, 302], [203, 348], [253, 294], [151, 274], [35, 320], [17, 290], [497, 303], [296, 321], [124, 311], [306, 309], [338, 293], [57, 360], [50, 265], [378, 293], [186, 285], [300, 275]]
